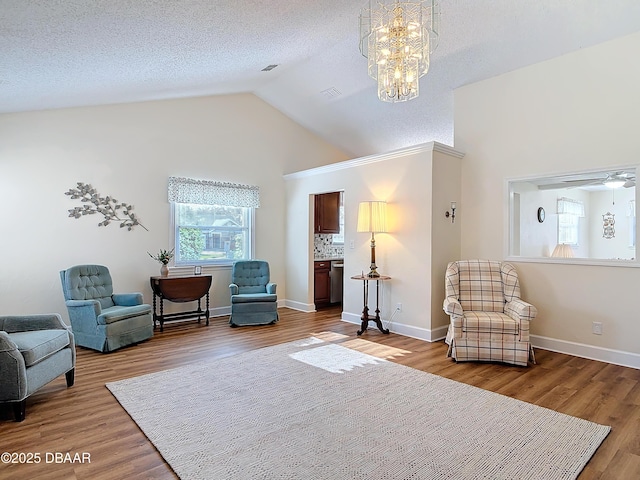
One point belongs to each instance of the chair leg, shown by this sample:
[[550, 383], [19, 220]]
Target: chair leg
[[532, 355], [20, 410], [70, 375]]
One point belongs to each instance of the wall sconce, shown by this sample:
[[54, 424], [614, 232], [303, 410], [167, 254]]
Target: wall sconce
[[453, 212]]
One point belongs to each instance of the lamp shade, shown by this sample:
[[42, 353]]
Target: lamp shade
[[562, 250], [372, 217]]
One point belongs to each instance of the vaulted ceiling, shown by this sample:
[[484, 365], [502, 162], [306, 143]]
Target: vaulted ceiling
[[64, 53]]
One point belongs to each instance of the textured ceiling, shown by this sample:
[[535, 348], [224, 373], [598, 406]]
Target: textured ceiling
[[63, 53]]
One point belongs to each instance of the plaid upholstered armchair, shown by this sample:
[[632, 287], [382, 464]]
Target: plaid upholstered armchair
[[489, 321]]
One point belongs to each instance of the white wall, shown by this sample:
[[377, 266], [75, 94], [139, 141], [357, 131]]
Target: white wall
[[576, 112], [129, 151], [404, 179]]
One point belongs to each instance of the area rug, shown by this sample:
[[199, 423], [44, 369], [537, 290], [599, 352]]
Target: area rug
[[314, 409]]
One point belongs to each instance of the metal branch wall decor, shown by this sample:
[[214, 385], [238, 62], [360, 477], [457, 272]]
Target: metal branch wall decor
[[109, 207]]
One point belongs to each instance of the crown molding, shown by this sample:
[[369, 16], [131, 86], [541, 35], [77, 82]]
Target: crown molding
[[380, 157]]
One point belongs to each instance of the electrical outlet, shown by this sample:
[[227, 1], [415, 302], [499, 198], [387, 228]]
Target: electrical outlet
[[399, 307], [352, 244], [596, 328]]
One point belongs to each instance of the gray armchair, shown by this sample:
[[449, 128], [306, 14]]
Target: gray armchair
[[253, 296], [34, 350], [100, 319]]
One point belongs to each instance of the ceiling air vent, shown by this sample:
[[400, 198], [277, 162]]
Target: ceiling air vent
[[269, 68], [330, 93]]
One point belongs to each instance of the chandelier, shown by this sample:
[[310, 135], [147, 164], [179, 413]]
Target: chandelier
[[397, 38]]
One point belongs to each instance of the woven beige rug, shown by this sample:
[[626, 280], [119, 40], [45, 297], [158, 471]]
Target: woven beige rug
[[317, 410]]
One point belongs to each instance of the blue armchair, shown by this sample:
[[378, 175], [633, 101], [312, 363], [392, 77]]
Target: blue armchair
[[253, 296], [34, 350], [100, 319]]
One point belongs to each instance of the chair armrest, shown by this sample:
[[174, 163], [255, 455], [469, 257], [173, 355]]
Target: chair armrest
[[520, 310], [13, 380], [83, 310], [234, 289], [127, 299], [26, 323], [271, 288], [6, 344], [452, 307]]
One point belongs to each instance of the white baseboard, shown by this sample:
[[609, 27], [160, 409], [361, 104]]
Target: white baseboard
[[220, 311], [607, 355], [303, 307], [400, 328]]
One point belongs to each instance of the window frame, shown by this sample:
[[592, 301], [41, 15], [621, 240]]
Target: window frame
[[249, 217], [510, 235], [571, 228]]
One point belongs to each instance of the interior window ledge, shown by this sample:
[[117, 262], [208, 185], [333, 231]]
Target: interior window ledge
[[576, 261]]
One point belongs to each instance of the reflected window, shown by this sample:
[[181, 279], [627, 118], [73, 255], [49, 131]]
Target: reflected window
[[570, 212], [575, 208]]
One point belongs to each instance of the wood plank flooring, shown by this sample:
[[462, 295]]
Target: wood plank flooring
[[87, 418]]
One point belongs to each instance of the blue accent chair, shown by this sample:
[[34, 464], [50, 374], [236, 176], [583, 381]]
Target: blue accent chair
[[253, 296], [34, 350], [100, 319]]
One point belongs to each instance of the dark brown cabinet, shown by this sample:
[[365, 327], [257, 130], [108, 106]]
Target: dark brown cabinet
[[321, 283], [327, 213]]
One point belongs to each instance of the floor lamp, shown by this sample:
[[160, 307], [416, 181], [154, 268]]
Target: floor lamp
[[372, 217]]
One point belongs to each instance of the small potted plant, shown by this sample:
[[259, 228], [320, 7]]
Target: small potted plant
[[163, 257]]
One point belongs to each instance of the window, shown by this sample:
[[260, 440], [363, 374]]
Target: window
[[212, 221], [211, 233], [338, 238], [569, 213]]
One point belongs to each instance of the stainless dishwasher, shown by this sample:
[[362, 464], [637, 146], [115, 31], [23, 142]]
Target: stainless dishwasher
[[336, 274]]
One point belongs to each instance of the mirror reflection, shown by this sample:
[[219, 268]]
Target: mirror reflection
[[584, 215]]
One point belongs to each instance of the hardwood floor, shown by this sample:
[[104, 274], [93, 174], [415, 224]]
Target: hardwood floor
[[86, 418]]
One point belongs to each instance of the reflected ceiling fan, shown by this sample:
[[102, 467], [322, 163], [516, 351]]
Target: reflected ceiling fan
[[610, 180]]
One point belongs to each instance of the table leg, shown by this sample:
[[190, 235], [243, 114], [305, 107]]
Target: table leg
[[206, 313], [161, 314], [377, 317], [365, 311], [155, 316]]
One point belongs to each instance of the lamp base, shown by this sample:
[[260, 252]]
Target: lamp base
[[373, 273], [373, 269]]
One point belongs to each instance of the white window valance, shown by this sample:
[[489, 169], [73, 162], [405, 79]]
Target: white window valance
[[208, 192], [570, 206]]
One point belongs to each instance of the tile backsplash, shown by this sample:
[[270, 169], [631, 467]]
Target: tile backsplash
[[323, 247]]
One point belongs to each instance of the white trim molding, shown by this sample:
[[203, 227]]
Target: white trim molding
[[224, 311], [600, 354], [302, 307], [401, 329], [219, 311], [356, 162], [607, 355]]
